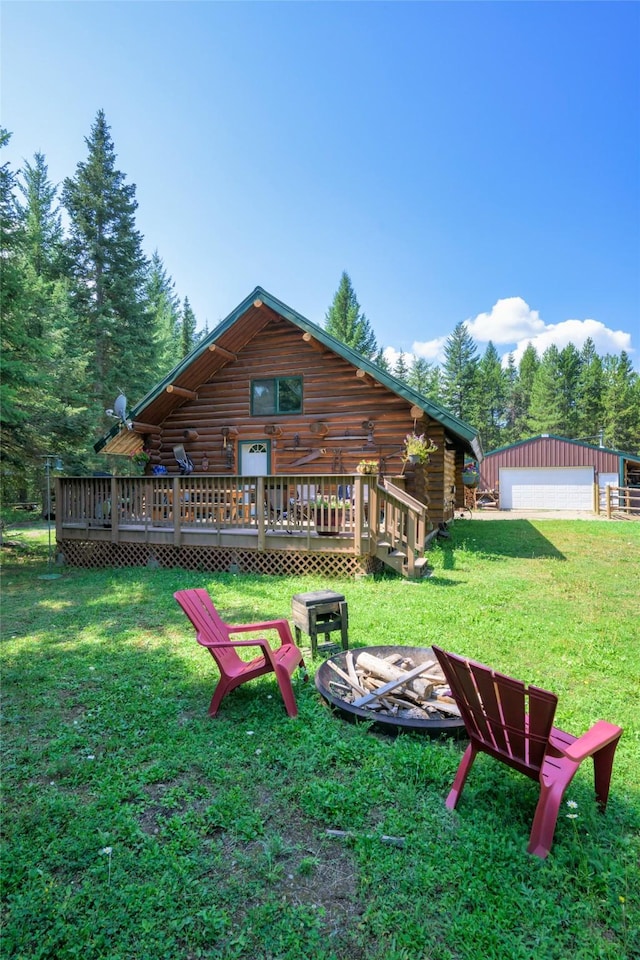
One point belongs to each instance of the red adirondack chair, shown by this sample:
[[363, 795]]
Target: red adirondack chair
[[514, 723], [214, 634]]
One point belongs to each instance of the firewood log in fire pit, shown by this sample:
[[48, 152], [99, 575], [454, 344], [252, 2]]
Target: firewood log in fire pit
[[394, 685]]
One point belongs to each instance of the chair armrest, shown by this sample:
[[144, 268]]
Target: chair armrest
[[600, 735], [282, 626], [259, 642]]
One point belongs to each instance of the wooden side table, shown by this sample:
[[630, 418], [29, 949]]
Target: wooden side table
[[321, 612]]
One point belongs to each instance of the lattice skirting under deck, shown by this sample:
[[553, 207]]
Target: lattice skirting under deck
[[97, 554]]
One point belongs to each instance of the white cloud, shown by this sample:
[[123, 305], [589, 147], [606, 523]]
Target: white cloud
[[392, 356], [576, 332], [432, 350], [511, 324], [509, 321]]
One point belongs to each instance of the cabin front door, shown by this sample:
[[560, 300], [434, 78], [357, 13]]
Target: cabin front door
[[254, 458]]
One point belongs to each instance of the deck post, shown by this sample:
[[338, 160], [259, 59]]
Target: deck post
[[357, 534], [177, 512], [411, 532], [374, 515], [261, 514], [114, 513], [60, 506]]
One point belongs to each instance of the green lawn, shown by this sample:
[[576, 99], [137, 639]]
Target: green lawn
[[136, 827]]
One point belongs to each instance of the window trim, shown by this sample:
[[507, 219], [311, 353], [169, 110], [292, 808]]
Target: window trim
[[277, 412]]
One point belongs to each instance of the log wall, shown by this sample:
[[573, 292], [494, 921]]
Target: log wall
[[338, 404]]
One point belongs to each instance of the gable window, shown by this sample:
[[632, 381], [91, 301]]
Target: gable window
[[278, 395]]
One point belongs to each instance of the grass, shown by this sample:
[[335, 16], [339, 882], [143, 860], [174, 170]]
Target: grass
[[136, 827]]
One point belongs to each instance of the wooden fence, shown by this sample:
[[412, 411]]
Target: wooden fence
[[618, 502]]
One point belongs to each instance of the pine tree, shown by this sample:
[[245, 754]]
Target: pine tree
[[20, 349], [401, 369], [589, 388], [56, 405], [621, 404], [570, 369], [163, 308], [521, 394], [418, 376], [41, 219], [424, 378], [511, 379], [381, 361], [345, 322], [547, 409], [188, 338], [108, 271], [459, 374], [491, 392]]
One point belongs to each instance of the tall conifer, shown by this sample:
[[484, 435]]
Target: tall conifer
[[491, 392], [346, 322], [163, 309], [108, 271], [459, 374], [188, 338]]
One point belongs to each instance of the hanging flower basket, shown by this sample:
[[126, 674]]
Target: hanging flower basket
[[139, 461], [417, 448], [470, 479]]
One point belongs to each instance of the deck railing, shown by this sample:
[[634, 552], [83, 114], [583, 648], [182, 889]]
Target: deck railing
[[284, 503], [373, 516]]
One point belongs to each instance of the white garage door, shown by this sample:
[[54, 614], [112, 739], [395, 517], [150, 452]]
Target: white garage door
[[546, 488]]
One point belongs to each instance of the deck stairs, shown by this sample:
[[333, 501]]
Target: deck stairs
[[402, 539]]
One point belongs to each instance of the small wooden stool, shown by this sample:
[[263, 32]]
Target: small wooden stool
[[321, 611]]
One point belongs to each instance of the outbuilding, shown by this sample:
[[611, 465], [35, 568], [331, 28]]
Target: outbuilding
[[547, 472]]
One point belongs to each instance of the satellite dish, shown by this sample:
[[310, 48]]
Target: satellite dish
[[119, 411], [120, 407]]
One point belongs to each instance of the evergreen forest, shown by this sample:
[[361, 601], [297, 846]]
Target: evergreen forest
[[571, 393], [87, 314]]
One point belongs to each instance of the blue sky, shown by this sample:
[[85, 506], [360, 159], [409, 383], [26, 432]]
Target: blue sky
[[462, 161]]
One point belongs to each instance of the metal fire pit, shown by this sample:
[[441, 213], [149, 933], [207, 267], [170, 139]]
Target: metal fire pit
[[450, 726]]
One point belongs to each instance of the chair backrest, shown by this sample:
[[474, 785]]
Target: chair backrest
[[211, 631], [306, 492], [505, 718], [276, 499]]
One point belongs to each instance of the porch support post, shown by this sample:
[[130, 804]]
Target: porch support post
[[374, 515], [60, 507], [260, 514], [177, 511], [114, 513], [411, 543], [357, 534]]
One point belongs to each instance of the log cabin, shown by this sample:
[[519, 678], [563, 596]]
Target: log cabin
[[251, 439]]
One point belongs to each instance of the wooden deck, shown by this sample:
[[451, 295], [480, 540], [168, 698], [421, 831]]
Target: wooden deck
[[277, 524]]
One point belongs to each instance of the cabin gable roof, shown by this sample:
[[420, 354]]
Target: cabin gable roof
[[223, 344]]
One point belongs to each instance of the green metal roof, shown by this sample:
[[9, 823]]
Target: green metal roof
[[456, 426]]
